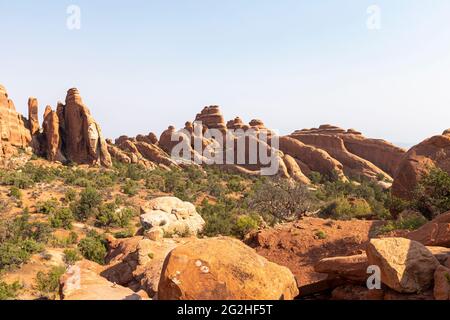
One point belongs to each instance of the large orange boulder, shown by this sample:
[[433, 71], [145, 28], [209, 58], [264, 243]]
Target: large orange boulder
[[406, 266], [223, 269], [431, 153]]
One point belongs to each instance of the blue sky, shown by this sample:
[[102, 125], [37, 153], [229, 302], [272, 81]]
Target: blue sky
[[142, 65]]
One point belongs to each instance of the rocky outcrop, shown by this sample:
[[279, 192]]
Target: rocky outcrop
[[83, 282], [136, 262], [172, 215], [406, 266], [13, 128], [223, 269], [434, 233], [442, 283], [33, 117], [311, 159], [431, 153], [331, 139], [81, 135], [211, 118], [52, 147]]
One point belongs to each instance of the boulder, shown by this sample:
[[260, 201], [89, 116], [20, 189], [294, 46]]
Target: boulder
[[431, 153], [406, 266], [223, 269], [434, 233], [351, 267], [83, 282], [172, 215], [442, 283]]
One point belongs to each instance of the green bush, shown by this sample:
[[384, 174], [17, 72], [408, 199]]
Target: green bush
[[244, 225], [410, 223], [93, 247], [15, 193], [19, 239], [346, 209], [48, 206], [62, 218], [48, 283], [109, 215], [87, 205], [71, 256], [70, 195], [432, 195], [130, 188], [9, 291]]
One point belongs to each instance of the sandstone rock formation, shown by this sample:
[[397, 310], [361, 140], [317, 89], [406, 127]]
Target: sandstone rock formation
[[33, 116], [13, 130], [136, 262], [442, 283], [406, 266], [331, 139], [81, 135], [83, 282], [223, 269], [52, 141], [172, 215], [431, 153], [434, 233]]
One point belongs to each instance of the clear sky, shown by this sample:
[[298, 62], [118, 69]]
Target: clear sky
[[142, 65]]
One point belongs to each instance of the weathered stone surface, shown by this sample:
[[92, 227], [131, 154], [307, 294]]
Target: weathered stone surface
[[406, 266], [431, 153], [52, 147], [442, 283], [83, 282], [434, 233], [82, 136], [172, 215], [33, 117], [351, 267], [223, 269], [137, 262], [13, 130]]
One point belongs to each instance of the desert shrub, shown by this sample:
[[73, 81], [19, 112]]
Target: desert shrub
[[93, 247], [155, 182], [9, 291], [71, 256], [61, 218], [410, 222], [218, 219], [87, 205], [346, 209], [109, 215], [15, 178], [128, 233], [432, 195], [315, 177], [245, 224], [19, 239], [15, 193], [47, 284], [130, 188], [48, 206], [70, 195], [235, 184], [282, 200], [320, 235]]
